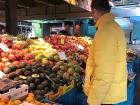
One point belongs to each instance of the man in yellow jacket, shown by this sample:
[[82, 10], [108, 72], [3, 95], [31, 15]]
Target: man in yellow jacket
[[106, 73]]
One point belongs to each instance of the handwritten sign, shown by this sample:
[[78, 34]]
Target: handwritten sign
[[1, 74], [4, 47], [62, 55]]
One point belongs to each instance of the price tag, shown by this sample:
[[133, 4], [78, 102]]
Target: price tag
[[80, 47], [26, 103], [41, 40], [62, 55], [62, 41], [1, 74], [4, 47]]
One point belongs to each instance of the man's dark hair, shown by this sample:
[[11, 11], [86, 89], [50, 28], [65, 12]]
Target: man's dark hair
[[101, 5]]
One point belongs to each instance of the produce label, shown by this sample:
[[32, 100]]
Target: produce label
[[4, 47], [62, 41], [62, 55], [41, 40], [26, 103], [1, 74], [80, 47]]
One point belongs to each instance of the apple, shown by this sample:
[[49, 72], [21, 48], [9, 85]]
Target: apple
[[18, 56], [15, 63], [11, 51], [11, 57], [1, 66], [4, 55], [5, 60], [7, 63]]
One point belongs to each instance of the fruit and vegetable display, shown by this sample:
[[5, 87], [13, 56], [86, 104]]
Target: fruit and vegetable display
[[44, 65], [29, 100]]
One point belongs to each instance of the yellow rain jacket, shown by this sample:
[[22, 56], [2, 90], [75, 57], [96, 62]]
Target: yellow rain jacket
[[106, 73]]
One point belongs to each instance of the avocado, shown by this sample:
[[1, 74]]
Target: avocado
[[27, 73], [37, 92], [26, 82], [45, 83], [39, 97], [19, 72], [32, 86], [43, 91], [42, 76], [12, 75], [13, 68], [47, 72], [39, 69], [30, 79], [21, 65], [60, 73], [52, 75], [28, 67], [23, 70], [37, 81], [17, 79], [56, 68], [34, 70], [40, 87]]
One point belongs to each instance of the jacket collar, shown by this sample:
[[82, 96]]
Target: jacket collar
[[105, 18]]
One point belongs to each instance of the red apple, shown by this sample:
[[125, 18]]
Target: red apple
[[11, 51], [4, 55], [18, 56], [15, 63], [1, 66], [11, 57]]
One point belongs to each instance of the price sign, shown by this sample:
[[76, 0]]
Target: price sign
[[80, 47], [41, 40], [4, 47], [1, 74], [62, 55], [62, 41]]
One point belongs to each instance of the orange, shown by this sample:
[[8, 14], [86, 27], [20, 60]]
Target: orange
[[31, 95], [5, 99], [17, 102], [2, 103]]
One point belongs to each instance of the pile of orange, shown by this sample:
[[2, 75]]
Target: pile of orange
[[30, 99]]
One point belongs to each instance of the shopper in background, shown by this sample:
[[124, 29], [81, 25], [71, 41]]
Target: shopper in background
[[77, 30], [66, 31], [106, 73]]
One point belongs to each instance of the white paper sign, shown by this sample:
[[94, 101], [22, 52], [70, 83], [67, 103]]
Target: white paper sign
[[62, 55], [80, 47], [1, 74], [26, 103], [4, 47], [41, 40]]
